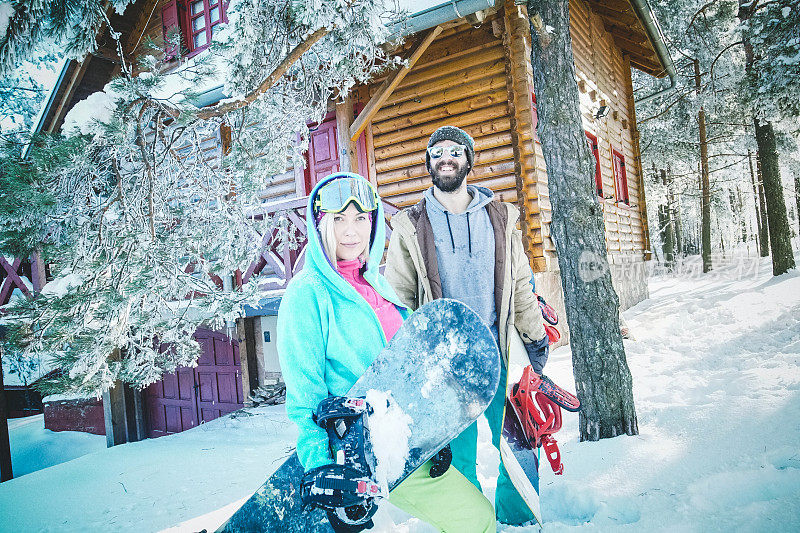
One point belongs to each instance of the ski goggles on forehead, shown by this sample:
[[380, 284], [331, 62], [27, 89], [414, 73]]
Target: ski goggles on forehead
[[336, 195], [455, 150]]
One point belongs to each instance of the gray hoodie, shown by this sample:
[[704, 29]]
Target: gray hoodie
[[465, 252]]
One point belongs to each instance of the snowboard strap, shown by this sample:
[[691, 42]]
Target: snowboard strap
[[334, 486]]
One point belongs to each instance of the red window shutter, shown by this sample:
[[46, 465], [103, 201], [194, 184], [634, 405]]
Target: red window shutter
[[169, 23]]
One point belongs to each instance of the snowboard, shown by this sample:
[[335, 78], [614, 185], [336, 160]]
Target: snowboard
[[442, 368], [519, 457]]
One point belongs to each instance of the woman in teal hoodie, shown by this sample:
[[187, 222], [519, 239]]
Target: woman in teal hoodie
[[337, 314]]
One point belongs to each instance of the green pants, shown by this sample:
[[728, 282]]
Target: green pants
[[449, 502], [509, 505]]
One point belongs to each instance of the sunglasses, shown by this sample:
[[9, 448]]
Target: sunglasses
[[336, 195], [456, 150]]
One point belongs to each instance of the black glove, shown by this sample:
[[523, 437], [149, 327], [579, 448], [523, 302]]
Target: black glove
[[441, 462], [537, 353], [354, 513]]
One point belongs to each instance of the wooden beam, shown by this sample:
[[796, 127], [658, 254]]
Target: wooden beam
[[634, 48], [348, 160], [390, 84]]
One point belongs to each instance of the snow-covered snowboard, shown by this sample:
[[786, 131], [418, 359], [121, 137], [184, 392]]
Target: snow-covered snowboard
[[442, 368]]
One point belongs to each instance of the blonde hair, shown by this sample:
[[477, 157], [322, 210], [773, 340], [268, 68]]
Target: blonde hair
[[327, 235]]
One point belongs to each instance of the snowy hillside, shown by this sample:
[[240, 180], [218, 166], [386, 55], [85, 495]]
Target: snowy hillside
[[717, 388]]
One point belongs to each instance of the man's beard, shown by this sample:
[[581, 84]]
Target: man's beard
[[449, 183]]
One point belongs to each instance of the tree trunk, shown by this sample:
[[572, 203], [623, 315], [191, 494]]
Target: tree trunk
[[755, 200], [742, 218], [763, 225], [780, 237], [797, 194], [602, 377], [769, 170], [667, 230], [675, 213], [705, 201]]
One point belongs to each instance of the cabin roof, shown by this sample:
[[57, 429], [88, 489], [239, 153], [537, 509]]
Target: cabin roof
[[630, 22]]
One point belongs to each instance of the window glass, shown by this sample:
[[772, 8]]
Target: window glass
[[200, 39]]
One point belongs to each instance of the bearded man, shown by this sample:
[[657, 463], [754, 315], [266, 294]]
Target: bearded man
[[459, 242]]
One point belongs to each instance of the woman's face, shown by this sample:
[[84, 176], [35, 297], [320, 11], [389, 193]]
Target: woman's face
[[352, 229]]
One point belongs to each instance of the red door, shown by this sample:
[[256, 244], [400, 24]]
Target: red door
[[191, 396], [322, 157], [218, 376], [323, 152]]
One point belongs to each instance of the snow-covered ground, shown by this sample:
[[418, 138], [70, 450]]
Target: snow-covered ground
[[717, 387], [34, 448]]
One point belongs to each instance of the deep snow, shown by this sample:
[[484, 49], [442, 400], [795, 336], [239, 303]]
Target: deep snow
[[34, 448], [717, 389]]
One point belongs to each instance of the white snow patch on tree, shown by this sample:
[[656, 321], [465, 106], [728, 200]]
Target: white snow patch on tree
[[86, 116], [61, 285], [6, 12], [389, 431]]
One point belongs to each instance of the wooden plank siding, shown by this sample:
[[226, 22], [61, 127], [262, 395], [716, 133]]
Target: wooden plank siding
[[606, 78]]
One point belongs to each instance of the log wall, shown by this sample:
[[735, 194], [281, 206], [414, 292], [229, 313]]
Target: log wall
[[604, 78], [480, 80]]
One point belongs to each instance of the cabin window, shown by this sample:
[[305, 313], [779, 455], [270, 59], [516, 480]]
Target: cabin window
[[201, 18], [197, 21], [594, 148], [620, 178]]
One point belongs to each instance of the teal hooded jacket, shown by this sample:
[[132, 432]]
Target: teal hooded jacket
[[327, 332]]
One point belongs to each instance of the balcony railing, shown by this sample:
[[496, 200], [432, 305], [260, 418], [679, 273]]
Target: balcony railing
[[282, 251]]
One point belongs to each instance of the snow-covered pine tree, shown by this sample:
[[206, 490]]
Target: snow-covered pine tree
[[72, 24], [771, 37], [21, 96], [138, 224]]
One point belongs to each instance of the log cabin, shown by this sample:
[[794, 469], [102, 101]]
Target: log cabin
[[469, 66]]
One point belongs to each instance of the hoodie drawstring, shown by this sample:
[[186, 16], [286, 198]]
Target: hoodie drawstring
[[450, 229], [469, 236], [452, 241]]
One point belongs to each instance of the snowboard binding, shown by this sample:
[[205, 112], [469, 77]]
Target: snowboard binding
[[346, 489], [537, 402]]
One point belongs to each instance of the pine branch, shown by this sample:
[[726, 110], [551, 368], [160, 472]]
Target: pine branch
[[298, 51]]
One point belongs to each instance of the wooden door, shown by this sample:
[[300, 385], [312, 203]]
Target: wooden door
[[323, 153], [191, 396]]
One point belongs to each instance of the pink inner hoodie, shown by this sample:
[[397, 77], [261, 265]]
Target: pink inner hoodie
[[388, 315]]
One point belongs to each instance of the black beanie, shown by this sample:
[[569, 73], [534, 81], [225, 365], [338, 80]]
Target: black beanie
[[457, 135]]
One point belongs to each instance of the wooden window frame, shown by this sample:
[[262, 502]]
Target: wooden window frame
[[594, 147], [620, 178], [187, 22]]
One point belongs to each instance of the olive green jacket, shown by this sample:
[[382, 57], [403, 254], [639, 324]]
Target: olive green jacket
[[412, 269]]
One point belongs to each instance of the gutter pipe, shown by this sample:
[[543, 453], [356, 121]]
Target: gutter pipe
[[645, 15], [45, 109]]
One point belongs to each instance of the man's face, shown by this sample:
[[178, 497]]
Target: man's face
[[448, 172]]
